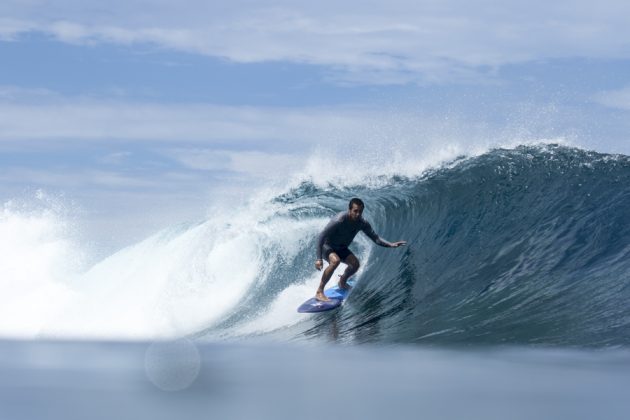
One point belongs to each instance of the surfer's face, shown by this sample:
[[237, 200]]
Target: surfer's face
[[355, 212]]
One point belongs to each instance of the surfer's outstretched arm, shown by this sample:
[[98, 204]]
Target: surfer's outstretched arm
[[380, 241], [386, 244]]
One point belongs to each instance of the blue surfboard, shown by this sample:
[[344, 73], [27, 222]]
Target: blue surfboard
[[336, 295]]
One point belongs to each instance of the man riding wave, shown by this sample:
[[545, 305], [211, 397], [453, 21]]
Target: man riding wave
[[334, 240]]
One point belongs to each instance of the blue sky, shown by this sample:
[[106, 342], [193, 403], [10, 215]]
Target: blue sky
[[147, 113]]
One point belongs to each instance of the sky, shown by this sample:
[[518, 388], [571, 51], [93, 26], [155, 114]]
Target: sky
[[137, 114]]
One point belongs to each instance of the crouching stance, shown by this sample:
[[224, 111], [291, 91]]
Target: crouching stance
[[334, 241]]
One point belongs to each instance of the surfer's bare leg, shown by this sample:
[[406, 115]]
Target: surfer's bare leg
[[333, 263], [353, 267]]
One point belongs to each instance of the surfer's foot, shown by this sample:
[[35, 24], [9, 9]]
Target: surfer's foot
[[343, 284], [322, 297]]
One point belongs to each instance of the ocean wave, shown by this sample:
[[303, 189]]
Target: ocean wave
[[525, 245]]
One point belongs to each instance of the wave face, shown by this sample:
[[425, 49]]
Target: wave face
[[522, 246]]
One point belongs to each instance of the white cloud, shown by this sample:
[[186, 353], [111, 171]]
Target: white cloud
[[76, 178], [14, 94], [12, 28], [266, 165], [201, 159], [395, 42], [90, 120], [202, 129], [615, 99], [257, 164], [116, 158]]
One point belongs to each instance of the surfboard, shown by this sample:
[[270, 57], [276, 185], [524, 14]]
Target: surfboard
[[336, 295]]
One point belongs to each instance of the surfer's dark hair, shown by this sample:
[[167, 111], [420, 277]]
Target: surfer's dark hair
[[356, 201]]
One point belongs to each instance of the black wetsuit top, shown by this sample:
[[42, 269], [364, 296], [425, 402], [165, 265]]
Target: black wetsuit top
[[340, 232]]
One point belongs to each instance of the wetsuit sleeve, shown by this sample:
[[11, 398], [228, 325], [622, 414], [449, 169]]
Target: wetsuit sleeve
[[367, 229], [322, 236]]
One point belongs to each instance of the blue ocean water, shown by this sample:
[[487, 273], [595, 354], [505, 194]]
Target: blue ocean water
[[195, 380]]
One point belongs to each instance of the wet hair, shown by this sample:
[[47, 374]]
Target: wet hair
[[356, 201]]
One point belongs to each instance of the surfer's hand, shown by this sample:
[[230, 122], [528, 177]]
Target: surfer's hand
[[399, 243], [319, 264]]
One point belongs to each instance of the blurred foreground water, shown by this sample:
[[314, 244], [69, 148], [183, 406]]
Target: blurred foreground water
[[199, 380]]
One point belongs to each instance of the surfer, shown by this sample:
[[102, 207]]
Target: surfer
[[334, 241]]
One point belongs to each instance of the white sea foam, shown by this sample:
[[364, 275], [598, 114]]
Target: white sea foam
[[37, 258], [374, 161], [173, 283]]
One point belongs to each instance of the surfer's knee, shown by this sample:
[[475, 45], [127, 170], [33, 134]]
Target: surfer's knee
[[334, 260], [353, 263]]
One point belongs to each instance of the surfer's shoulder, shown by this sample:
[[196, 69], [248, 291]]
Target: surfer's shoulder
[[364, 223]]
